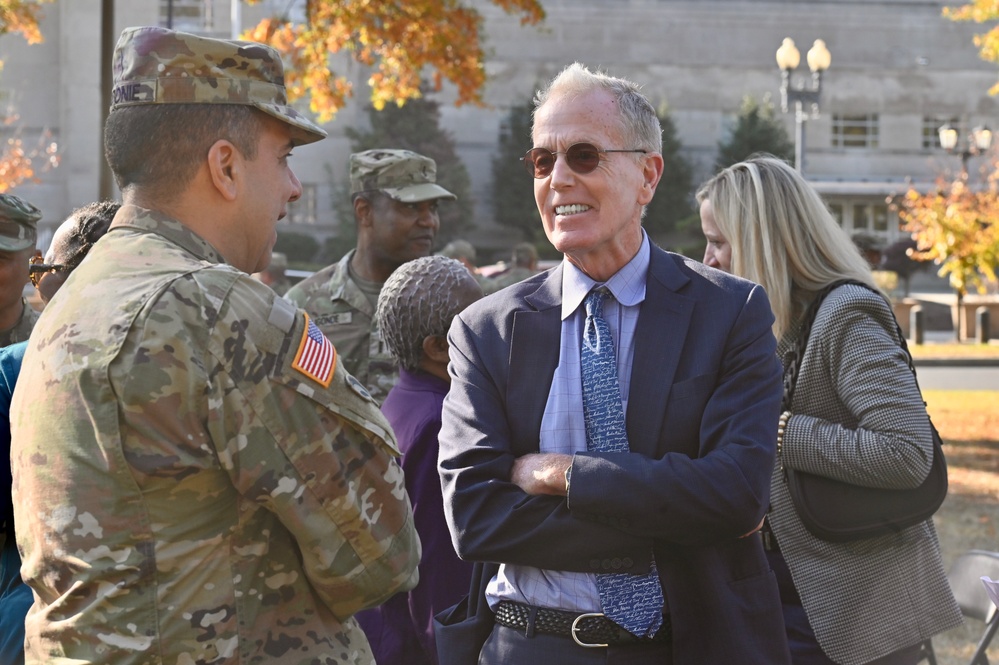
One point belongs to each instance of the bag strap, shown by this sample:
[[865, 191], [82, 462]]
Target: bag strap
[[797, 350]]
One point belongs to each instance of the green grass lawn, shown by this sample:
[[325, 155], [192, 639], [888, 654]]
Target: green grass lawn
[[968, 421]]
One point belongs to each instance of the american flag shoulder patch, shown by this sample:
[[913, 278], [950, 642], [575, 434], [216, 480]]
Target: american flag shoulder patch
[[316, 357]]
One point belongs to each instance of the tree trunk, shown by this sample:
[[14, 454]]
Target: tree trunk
[[105, 183]]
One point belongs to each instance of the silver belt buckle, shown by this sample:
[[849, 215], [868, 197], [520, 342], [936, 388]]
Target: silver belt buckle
[[575, 627]]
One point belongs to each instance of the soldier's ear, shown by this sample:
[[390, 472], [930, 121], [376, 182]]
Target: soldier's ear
[[224, 166], [363, 211]]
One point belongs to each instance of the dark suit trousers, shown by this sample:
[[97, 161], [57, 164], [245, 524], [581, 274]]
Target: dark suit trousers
[[508, 645]]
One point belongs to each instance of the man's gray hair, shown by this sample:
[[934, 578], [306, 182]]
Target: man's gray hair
[[640, 126], [418, 300]]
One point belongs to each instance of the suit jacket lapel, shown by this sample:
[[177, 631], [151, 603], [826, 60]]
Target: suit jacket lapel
[[659, 339], [534, 350]]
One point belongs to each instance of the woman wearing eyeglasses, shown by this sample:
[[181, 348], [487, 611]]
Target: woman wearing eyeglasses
[[856, 416], [70, 244]]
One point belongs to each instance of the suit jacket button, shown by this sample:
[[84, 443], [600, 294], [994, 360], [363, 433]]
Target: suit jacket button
[[616, 563], [605, 564], [594, 563], [628, 562]]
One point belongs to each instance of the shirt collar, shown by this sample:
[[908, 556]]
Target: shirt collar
[[627, 284], [132, 216]]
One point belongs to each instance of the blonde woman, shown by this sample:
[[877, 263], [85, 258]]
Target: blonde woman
[[857, 416]]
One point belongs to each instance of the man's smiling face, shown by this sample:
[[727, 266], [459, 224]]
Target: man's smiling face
[[593, 218]]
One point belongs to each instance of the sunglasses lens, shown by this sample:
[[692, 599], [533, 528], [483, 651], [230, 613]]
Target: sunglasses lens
[[582, 157], [539, 162]]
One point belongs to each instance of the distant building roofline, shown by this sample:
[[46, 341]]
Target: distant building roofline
[[868, 187]]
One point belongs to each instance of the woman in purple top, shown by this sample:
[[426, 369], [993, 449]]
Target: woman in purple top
[[415, 309]]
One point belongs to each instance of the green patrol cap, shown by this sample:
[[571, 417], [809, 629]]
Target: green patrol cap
[[402, 174], [17, 223], [459, 249], [159, 66]]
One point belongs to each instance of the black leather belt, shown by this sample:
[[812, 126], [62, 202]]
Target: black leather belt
[[591, 629]]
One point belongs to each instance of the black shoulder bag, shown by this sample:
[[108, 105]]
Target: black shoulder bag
[[837, 511]]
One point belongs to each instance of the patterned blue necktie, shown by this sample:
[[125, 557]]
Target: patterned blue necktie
[[634, 602]]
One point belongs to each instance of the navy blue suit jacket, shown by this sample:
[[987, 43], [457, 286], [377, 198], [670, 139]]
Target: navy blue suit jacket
[[702, 419]]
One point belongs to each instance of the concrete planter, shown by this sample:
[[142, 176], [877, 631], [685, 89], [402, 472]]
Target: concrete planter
[[903, 311], [968, 323]]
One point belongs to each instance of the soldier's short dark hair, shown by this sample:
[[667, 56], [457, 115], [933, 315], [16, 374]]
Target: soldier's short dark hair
[[160, 147]]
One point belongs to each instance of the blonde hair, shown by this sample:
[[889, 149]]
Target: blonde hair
[[782, 235]]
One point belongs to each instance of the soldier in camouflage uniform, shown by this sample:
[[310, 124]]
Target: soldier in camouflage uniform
[[274, 274], [197, 479], [18, 220], [524, 264], [395, 198]]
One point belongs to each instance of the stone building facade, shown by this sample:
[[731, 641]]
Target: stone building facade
[[899, 70]]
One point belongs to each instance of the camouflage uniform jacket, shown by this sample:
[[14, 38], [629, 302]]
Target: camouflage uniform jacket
[[184, 495], [506, 278], [344, 314], [23, 328], [281, 286]]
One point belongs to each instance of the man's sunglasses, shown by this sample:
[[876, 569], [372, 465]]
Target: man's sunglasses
[[37, 269], [582, 158]]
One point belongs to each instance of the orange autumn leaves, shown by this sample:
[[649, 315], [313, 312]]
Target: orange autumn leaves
[[18, 162], [955, 226], [398, 40]]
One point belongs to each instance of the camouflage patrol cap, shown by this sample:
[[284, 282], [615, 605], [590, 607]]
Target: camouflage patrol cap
[[159, 66], [17, 223], [402, 174], [459, 249]]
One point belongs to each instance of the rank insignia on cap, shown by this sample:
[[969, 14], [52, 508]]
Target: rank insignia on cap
[[316, 357]]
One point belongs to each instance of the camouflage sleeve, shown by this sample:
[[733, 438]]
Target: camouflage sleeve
[[296, 295], [320, 457]]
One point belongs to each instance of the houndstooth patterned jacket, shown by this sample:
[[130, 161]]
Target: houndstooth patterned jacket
[[858, 416]]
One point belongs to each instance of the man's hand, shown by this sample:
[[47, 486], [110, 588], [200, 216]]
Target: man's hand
[[541, 473], [758, 527]]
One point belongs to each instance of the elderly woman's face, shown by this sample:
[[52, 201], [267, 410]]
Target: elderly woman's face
[[65, 246]]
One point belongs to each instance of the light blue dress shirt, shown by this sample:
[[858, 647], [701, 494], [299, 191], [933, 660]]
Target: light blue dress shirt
[[562, 427]]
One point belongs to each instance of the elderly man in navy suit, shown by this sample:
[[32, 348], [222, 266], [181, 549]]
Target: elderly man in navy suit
[[611, 426]]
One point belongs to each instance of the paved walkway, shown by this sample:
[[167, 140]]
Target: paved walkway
[[950, 377], [955, 373]]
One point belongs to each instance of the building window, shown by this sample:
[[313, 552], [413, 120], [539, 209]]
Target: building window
[[303, 211], [931, 129], [855, 131], [836, 210], [871, 217], [196, 16]]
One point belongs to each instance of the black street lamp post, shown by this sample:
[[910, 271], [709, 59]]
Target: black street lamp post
[[977, 143]]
